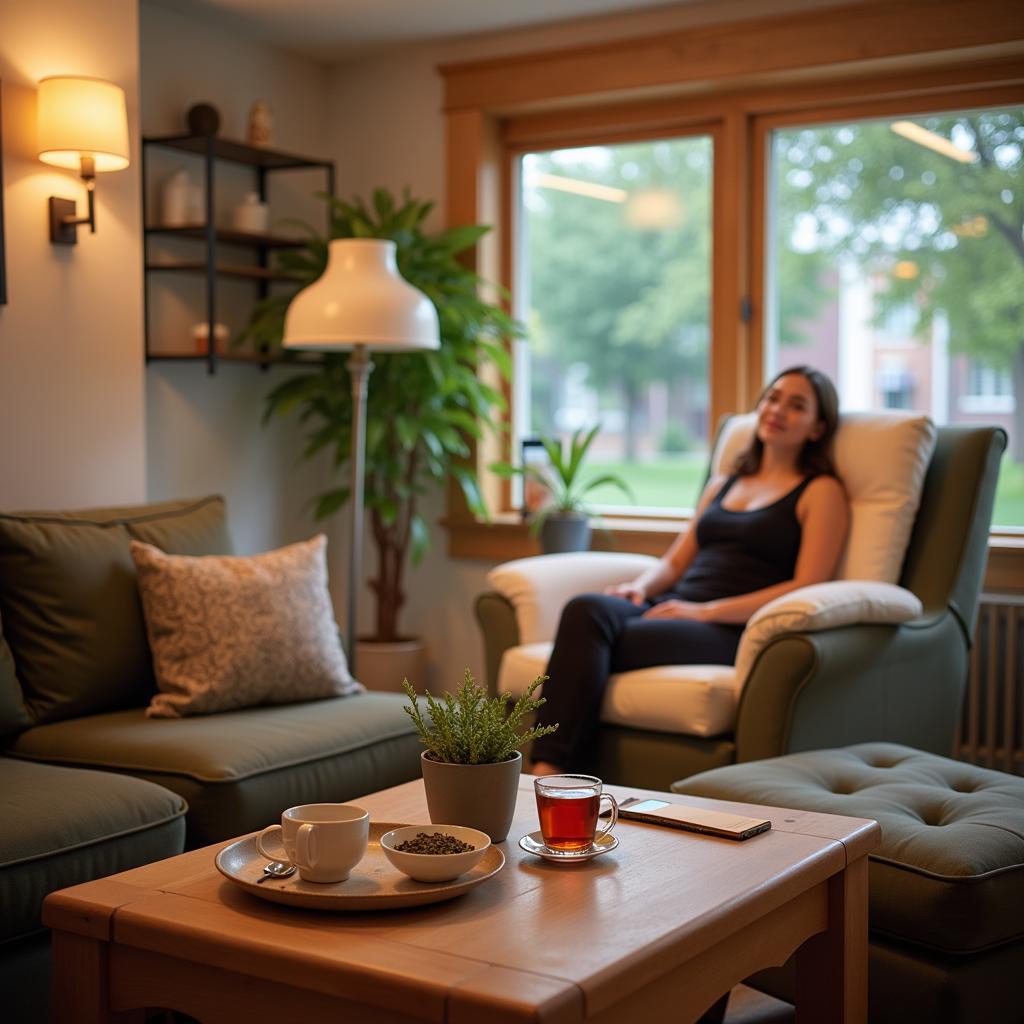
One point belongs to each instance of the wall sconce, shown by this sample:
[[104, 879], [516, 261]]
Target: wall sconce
[[83, 126]]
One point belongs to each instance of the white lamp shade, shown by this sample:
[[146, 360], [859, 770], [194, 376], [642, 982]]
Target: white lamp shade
[[82, 117], [361, 299]]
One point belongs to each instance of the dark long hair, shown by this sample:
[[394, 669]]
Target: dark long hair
[[815, 456]]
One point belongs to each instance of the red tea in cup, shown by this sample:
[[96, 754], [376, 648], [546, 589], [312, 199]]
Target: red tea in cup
[[568, 806]]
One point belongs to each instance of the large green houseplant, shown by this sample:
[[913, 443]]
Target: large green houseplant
[[422, 408]]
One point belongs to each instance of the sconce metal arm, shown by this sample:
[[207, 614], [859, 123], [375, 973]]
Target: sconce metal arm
[[63, 222]]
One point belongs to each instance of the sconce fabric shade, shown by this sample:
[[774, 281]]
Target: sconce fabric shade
[[361, 300], [82, 117]]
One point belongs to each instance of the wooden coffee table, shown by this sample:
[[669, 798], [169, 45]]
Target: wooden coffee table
[[657, 929]]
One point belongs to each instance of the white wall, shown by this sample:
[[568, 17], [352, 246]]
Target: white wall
[[72, 430], [203, 432]]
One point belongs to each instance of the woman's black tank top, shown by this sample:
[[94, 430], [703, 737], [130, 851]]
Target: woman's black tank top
[[739, 552]]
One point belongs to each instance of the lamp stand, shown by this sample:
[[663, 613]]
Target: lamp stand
[[359, 367]]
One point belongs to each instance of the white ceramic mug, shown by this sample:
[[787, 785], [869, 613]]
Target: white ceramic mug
[[324, 841]]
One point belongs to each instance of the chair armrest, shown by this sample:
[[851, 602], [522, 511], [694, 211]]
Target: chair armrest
[[497, 621], [898, 683], [824, 606], [539, 587]]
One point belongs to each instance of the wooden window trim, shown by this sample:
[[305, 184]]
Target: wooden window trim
[[843, 62]]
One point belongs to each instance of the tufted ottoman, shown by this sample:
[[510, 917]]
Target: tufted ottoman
[[946, 885]]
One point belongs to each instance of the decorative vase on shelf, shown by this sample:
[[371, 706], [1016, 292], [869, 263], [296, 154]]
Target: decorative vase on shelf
[[174, 199], [251, 215], [260, 124]]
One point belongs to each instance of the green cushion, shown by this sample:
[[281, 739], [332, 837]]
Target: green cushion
[[14, 716], [70, 604], [239, 769], [62, 826], [949, 874]]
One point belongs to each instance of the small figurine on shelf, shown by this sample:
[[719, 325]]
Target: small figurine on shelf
[[260, 124], [201, 337]]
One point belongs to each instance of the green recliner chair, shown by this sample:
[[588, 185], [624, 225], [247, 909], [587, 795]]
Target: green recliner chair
[[803, 689]]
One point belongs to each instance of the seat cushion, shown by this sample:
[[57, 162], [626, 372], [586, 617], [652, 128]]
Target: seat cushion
[[949, 874], [884, 493], [70, 604], [62, 826], [694, 700], [239, 769]]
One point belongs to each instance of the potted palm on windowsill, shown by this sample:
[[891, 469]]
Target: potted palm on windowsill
[[423, 411], [563, 522]]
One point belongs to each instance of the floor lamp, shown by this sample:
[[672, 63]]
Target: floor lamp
[[360, 304]]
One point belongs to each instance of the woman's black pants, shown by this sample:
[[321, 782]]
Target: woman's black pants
[[598, 636]]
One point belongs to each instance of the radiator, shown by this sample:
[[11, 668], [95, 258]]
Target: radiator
[[991, 730]]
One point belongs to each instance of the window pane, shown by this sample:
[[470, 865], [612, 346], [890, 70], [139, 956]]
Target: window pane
[[897, 266], [615, 275]]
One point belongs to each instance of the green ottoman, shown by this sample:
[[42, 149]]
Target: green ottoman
[[946, 885]]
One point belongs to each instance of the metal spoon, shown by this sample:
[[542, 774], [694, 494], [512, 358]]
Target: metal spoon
[[276, 869]]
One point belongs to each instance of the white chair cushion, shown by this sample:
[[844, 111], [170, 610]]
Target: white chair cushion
[[824, 606], [538, 588], [696, 700], [881, 458]]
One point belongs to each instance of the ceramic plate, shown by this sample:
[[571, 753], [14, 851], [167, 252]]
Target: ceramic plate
[[534, 843], [373, 885]]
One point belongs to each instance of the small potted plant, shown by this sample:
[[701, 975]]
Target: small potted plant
[[472, 762], [564, 521]]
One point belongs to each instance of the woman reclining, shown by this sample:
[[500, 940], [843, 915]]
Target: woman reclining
[[777, 522]]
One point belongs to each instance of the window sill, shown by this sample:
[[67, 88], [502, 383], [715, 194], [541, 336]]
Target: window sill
[[506, 537]]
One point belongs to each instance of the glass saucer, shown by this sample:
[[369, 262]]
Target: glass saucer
[[534, 843]]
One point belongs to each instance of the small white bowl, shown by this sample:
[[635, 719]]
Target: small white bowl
[[434, 867]]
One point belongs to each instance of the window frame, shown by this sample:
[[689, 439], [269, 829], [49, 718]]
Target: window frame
[[518, 141], [830, 64]]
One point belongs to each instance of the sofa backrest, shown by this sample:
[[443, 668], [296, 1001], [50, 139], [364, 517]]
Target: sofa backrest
[[70, 610]]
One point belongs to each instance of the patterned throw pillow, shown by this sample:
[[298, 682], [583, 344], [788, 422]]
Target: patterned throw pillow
[[229, 632]]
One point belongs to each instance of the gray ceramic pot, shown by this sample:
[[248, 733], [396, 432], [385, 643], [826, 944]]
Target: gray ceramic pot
[[479, 796], [565, 532]]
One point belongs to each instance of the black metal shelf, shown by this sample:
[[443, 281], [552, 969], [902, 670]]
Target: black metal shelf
[[262, 161], [227, 236], [236, 270], [236, 152], [259, 358]]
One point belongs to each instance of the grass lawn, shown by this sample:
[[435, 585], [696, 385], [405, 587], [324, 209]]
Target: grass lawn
[[675, 482]]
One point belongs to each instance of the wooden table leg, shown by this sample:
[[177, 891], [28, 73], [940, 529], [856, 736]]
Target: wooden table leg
[[832, 967], [81, 982]]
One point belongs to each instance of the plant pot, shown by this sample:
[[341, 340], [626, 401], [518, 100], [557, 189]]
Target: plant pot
[[383, 665], [565, 532], [481, 796]]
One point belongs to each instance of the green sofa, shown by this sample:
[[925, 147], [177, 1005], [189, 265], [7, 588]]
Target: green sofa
[[88, 784]]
